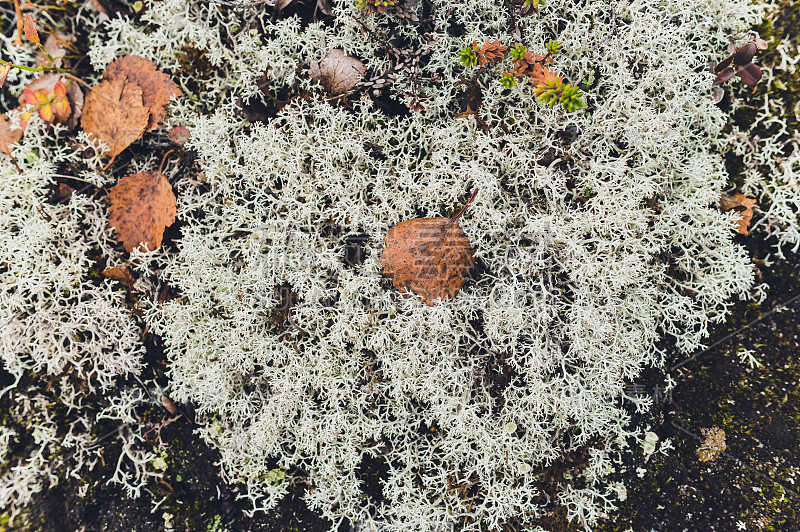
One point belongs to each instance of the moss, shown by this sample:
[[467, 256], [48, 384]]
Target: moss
[[779, 29], [759, 411]]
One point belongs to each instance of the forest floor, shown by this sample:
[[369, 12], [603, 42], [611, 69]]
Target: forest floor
[[753, 484]]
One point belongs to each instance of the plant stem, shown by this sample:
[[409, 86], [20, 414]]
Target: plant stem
[[42, 69]]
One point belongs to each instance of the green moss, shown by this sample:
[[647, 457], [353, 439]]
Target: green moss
[[757, 408], [780, 27]]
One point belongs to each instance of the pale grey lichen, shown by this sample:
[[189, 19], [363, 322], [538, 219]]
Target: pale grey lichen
[[596, 234], [570, 296], [58, 324]]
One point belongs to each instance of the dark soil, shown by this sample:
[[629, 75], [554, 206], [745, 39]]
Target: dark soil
[[755, 481]]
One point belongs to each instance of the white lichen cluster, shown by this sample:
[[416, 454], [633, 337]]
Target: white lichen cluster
[[596, 235], [60, 327], [570, 294]]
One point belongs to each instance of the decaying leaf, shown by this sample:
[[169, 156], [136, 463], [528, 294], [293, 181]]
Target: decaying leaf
[[114, 113], [5, 68], [7, 135], [121, 275], [56, 45], [743, 205], [337, 72], [169, 405], [63, 193], [179, 135], [428, 256], [142, 206], [157, 87], [713, 444]]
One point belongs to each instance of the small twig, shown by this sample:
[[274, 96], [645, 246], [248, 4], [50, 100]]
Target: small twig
[[464, 208], [18, 11], [163, 159], [75, 78]]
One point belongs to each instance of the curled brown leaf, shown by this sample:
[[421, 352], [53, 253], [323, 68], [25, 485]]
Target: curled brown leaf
[[121, 275], [337, 72], [157, 87]]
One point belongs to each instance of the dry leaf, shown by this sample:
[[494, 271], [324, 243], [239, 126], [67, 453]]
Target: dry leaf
[[337, 72], [7, 135], [56, 46], [63, 193], [5, 68], [114, 113], [179, 135], [142, 206], [713, 444], [743, 205], [169, 405], [427, 256], [157, 87], [121, 275]]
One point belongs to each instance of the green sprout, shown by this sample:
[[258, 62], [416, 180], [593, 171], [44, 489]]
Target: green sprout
[[518, 52], [587, 82], [468, 57], [553, 46], [507, 80], [555, 92]]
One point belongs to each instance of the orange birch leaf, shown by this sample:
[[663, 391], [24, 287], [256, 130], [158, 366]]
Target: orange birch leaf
[[114, 113], [142, 206], [157, 87], [428, 256]]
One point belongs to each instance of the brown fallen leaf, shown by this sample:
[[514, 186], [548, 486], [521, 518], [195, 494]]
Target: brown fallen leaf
[[142, 206], [169, 405], [337, 72], [428, 256], [179, 135], [62, 193], [114, 113], [56, 45], [7, 135], [743, 205], [157, 87], [121, 275]]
